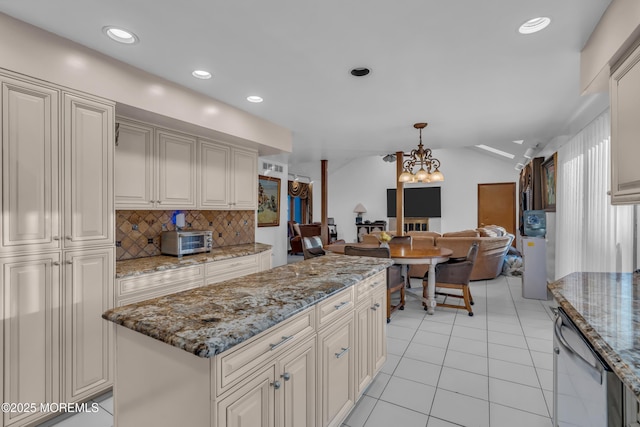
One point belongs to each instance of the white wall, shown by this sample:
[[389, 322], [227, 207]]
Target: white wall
[[276, 236], [365, 181]]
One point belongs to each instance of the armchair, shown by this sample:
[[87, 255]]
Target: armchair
[[395, 281], [455, 274]]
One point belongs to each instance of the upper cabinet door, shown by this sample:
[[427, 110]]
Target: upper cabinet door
[[134, 166], [245, 180], [176, 170], [214, 180], [88, 160], [30, 155], [625, 131]]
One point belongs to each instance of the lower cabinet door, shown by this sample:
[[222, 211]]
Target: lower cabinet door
[[378, 329], [297, 374], [30, 357], [251, 404], [362, 350], [88, 350], [336, 366]]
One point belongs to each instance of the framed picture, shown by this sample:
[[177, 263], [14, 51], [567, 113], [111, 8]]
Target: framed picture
[[549, 177], [268, 201]]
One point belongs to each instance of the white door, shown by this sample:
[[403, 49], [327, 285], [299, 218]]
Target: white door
[[88, 351], [176, 170], [245, 180], [88, 160], [134, 166], [30, 309], [30, 183], [215, 176]]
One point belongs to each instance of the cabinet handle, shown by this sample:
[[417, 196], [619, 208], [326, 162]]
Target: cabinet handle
[[68, 237], [56, 237], [375, 307], [286, 376], [152, 201], [342, 353], [68, 262], [284, 340], [275, 384], [158, 201], [342, 304], [55, 263]]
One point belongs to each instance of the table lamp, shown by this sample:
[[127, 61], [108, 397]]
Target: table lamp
[[359, 209]]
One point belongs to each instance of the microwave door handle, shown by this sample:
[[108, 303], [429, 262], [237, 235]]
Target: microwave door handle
[[594, 370]]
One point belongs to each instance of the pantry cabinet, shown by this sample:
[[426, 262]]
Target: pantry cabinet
[[57, 249], [625, 128], [30, 167], [31, 298]]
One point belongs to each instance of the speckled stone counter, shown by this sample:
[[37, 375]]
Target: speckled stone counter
[[606, 309], [135, 267], [208, 320]]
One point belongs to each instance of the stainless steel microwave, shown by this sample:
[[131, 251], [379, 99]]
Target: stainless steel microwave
[[180, 243]]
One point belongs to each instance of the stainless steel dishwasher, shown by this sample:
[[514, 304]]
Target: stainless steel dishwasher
[[586, 392]]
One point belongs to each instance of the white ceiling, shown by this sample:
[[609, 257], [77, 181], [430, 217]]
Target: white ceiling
[[459, 65]]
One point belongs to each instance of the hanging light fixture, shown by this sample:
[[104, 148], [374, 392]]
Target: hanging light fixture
[[429, 167]]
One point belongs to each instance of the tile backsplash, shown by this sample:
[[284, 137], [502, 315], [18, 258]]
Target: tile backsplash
[[138, 232]]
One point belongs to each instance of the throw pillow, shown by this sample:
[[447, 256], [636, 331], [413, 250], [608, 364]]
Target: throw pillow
[[296, 229], [463, 233]]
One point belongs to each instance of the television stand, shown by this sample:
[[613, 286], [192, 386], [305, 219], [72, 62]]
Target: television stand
[[411, 224]]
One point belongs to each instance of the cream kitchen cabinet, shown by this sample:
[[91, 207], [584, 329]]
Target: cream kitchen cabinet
[[625, 128], [88, 172], [154, 168], [370, 346], [31, 318], [30, 166], [227, 177], [88, 346]]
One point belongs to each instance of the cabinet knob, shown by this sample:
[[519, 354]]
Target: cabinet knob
[[56, 237], [556, 350], [68, 262], [55, 263], [68, 237], [158, 201], [286, 376], [276, 384]]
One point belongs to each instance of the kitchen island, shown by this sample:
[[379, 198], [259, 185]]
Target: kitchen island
[[294, 345]]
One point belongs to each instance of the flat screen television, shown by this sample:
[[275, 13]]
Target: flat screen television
[[422, 202]]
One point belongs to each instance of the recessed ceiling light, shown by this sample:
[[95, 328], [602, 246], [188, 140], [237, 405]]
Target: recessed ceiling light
[[120, 35], [254, 98], [201, 74], [360, 71], [529, 153], [534, 25], [496, 151], [518, 141], [519, 166]]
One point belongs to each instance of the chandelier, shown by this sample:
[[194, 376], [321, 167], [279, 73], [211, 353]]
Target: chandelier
[[429, 167]]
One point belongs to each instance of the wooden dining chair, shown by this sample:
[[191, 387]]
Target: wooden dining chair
[[455, 274], [395, 281], [397, 240]]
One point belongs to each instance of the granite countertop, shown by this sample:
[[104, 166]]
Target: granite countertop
[[606, 309], [135, 267], [209, 320]]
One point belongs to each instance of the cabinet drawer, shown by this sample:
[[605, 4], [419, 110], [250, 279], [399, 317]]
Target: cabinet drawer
[[153, 283], [236, 363], [335, 306], [364, 288], [155, 293], [220, 271]]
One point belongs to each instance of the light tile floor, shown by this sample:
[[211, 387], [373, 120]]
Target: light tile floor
[[493, 369]]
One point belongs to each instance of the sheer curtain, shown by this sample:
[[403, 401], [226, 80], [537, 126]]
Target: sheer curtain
[[591, 234]]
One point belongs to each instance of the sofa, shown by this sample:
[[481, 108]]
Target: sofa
[[493, 244], [297, 232]]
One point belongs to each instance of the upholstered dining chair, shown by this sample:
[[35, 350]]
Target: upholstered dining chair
[[312, 247], [395, 281], [455, 274], [400, 240]]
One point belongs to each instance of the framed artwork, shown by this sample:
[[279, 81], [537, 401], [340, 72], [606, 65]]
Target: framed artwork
[[549, 177], [268, 201]]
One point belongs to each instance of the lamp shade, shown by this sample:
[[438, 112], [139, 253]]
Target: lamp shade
[[360, 209]]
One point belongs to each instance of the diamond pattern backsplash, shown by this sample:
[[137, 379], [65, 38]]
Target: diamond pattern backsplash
[[138, 232]]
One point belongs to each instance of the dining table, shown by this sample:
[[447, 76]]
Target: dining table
[[406, 254]]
